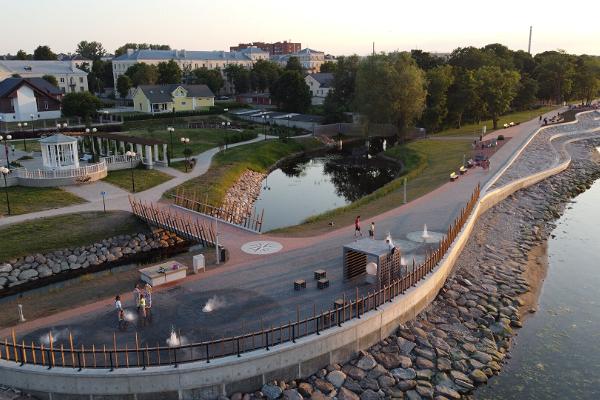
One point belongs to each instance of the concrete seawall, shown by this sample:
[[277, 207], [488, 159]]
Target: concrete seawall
[[203, 380]]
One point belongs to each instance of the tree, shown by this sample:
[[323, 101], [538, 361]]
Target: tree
[[209, 77], [291, 93], [123, 85], [293, 64], [263, 74], [22, 55], [498, 89], [470, 58], [327, 66], [526, 96], [463, 98], [239, 77], [439, 80], [80, 104], [390, 89], [43, 53], [340, 99], [169, 72], [587, 78], [102, 71], [425, 60], [554, 74], [142, 74], [140, 46], [50, 79], [91, 50]]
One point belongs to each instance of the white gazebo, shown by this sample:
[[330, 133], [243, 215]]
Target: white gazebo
[[59, 152]]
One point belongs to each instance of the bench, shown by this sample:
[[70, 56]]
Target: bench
[[320, 274], [462, 170], [323, 283], [453, 176], [299, 284]]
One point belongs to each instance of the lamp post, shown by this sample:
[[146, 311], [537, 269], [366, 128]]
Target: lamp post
[[170, 129], [185, 142], [5, 171], [32, 130], [5, 140], [265, 122], [131, 155]]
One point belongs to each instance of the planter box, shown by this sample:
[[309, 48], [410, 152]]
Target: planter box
[[160, 274]]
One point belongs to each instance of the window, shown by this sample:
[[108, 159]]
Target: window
[[183, 103], [62, 80], [140, 106], [80, 79], [45, 104], [63, 89], [81, 89]]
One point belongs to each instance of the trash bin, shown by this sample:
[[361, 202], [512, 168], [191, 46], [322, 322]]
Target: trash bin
[[199, 264]]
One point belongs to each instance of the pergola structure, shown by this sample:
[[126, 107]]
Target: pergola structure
[[112, 144], [358, 254], [59, 152]]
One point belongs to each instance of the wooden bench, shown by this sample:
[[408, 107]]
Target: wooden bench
[[453, 176], [462, 170], [320, 274], [323, 283], [299, 284]]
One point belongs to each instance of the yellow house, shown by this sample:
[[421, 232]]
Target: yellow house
[[155, 99]]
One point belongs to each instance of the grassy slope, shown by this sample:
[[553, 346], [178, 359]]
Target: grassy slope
[[69, 230], [475, 129], [25, 200], [227, 166], [144, 178], [427, 166]]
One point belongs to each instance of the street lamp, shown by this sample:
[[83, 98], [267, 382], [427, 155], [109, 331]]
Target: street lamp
[[170, 129], [131, 155], [265, 121], [5, 140], [5, 171], [32, 130], [185, 142]]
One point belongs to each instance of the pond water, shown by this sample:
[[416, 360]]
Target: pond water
[[310, 185], [557, 353]]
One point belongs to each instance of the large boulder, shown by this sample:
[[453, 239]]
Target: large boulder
[[28, 274], [271, 392], [336, 378], [6, 268]]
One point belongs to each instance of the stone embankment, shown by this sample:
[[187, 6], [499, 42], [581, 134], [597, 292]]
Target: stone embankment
[[461, 340], [18, 271], [239, 199]]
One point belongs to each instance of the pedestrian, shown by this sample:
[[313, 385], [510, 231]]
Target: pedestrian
[[372, 231], [120, 311], [137, 294], [148, 295], [357, 227], [540, 120], [142, 307]]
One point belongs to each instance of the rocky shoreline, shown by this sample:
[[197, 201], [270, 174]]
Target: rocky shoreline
[[462, 338], [18, 271], [240, 197]]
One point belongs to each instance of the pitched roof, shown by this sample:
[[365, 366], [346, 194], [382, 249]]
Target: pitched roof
[[38, 67], [166, 55], [325, 79], [163, 93], [9, 85], [58, 139]]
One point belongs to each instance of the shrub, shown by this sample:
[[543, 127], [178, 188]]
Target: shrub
[[500, 137]]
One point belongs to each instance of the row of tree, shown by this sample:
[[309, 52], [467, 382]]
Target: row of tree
[[470, 85]]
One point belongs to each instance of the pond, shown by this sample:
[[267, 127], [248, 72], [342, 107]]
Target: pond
[[556, 354], [310, 185]]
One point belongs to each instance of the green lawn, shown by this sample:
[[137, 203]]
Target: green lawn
[[144, 178], [428, 164], [200, 139], [25, 200], [32, 145], [475, 129], [69, 230], [227, 166], [180, 166], [163, 123]]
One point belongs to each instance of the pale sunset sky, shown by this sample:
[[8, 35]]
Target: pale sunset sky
[[337, 27]]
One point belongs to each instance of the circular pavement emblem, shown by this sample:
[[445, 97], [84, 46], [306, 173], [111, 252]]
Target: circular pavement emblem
[[262, 247]]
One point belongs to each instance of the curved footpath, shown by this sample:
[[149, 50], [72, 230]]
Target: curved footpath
[[439, 368]]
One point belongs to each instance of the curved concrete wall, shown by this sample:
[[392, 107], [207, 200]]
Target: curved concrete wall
[[227, 375]]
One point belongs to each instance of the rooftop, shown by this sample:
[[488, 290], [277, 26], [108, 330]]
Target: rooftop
[[58, 138], [190, 55], [163, 93], [9, 85], [325, 79], [35, 67]]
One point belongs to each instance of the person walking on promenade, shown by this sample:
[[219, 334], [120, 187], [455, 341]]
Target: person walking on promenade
[[372, 231], [357, 231], [143, 306], [137, 294], [120, 311], [148, 296]]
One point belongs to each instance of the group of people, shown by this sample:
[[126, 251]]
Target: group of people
[[357, 231], [142, 297]]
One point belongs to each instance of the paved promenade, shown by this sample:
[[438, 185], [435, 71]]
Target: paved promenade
[[255, 289]]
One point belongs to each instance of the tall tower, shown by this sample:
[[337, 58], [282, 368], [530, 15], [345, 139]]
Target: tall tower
[[529, 46]]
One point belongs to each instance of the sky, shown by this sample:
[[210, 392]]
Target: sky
[[338, 27]]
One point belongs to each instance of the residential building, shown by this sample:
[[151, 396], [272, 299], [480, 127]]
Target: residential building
[[155, 99], [70, 79], [277, 48], [24, 99], [311, 60], [319, 84], [75, 59], [187, 60], [257, 99]]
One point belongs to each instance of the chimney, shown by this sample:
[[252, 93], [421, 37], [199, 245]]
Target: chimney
[[129, 52], [182, 53]]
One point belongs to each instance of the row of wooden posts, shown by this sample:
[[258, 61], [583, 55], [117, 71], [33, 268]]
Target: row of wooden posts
[[182, 225], [234, 214], [305, 323]]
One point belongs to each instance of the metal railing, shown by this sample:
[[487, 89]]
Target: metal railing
[[79, 356], [60, 173]]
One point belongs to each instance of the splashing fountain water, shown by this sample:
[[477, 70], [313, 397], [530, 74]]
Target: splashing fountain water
[[173, 340], [213, 304], [425, 234]]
